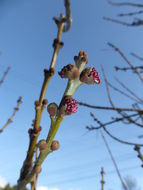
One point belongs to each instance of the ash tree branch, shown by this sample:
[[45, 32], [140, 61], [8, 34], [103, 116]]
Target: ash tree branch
[[112, 136], [115, 120], [132, 97], [125, 4], [4, 75], [123, 114], [139, 154], [110, 108], [136, 56], [126, 60], [130, 14], [114, 162], [16, 109], [68, 16], [128, 90], [134, 23]]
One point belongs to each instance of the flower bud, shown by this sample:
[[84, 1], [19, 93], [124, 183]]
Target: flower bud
[[90, 76], [52, 109], [42, 145], [45, 102], [82, 57], [55, 145], [37, 103], [69, 106], [69, 71], [30, 131]]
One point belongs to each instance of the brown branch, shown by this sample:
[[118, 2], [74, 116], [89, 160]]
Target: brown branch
[[112, 104], [125, 94], [9, 121], [135, 22], [136, 56], [4, 75], [125, 4], [127, 68], [113, 160], [68, 16], [112, 136], [130, 14], [140, 155], [111, 122], [128, 90], [102, 178], [110, 108], [127, 61]]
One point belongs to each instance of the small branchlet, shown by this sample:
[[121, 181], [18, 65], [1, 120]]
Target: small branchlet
[[139, 154], [4, 75], [10, 120], [134, 21]]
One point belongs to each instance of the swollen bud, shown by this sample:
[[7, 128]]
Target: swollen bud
[[55, 145], [42, 145], [45, 102], [69, 106], [52, 109], [90, 76], [69, 71]]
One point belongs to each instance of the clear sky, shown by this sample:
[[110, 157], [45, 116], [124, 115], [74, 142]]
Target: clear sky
[[26, 35]]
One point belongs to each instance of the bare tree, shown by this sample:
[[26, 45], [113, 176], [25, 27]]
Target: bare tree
[[135, 16], [132, 115], [19, 101]]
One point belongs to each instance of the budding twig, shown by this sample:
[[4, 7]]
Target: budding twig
[[125, 4], [9, 121], [113, 160], [4, 75], [140, 155], [127, 61]]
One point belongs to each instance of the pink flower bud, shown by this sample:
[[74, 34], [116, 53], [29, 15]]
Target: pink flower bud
[[69, 71], [69, 106], [90, 76]]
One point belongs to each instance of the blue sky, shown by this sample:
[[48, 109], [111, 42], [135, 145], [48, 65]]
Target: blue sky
[[26, 35]]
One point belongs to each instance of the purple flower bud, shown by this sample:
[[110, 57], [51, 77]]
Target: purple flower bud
[[90, 76], [69, 106], [69, 71]]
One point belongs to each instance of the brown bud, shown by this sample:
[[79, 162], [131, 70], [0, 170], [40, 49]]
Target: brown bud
[[55, 145], [45, 102], [52, 109], [30, 131], [37, 103], [42, 145], [136, 148], [51, 71], [37, 130], [46, 70], [55, 42]]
